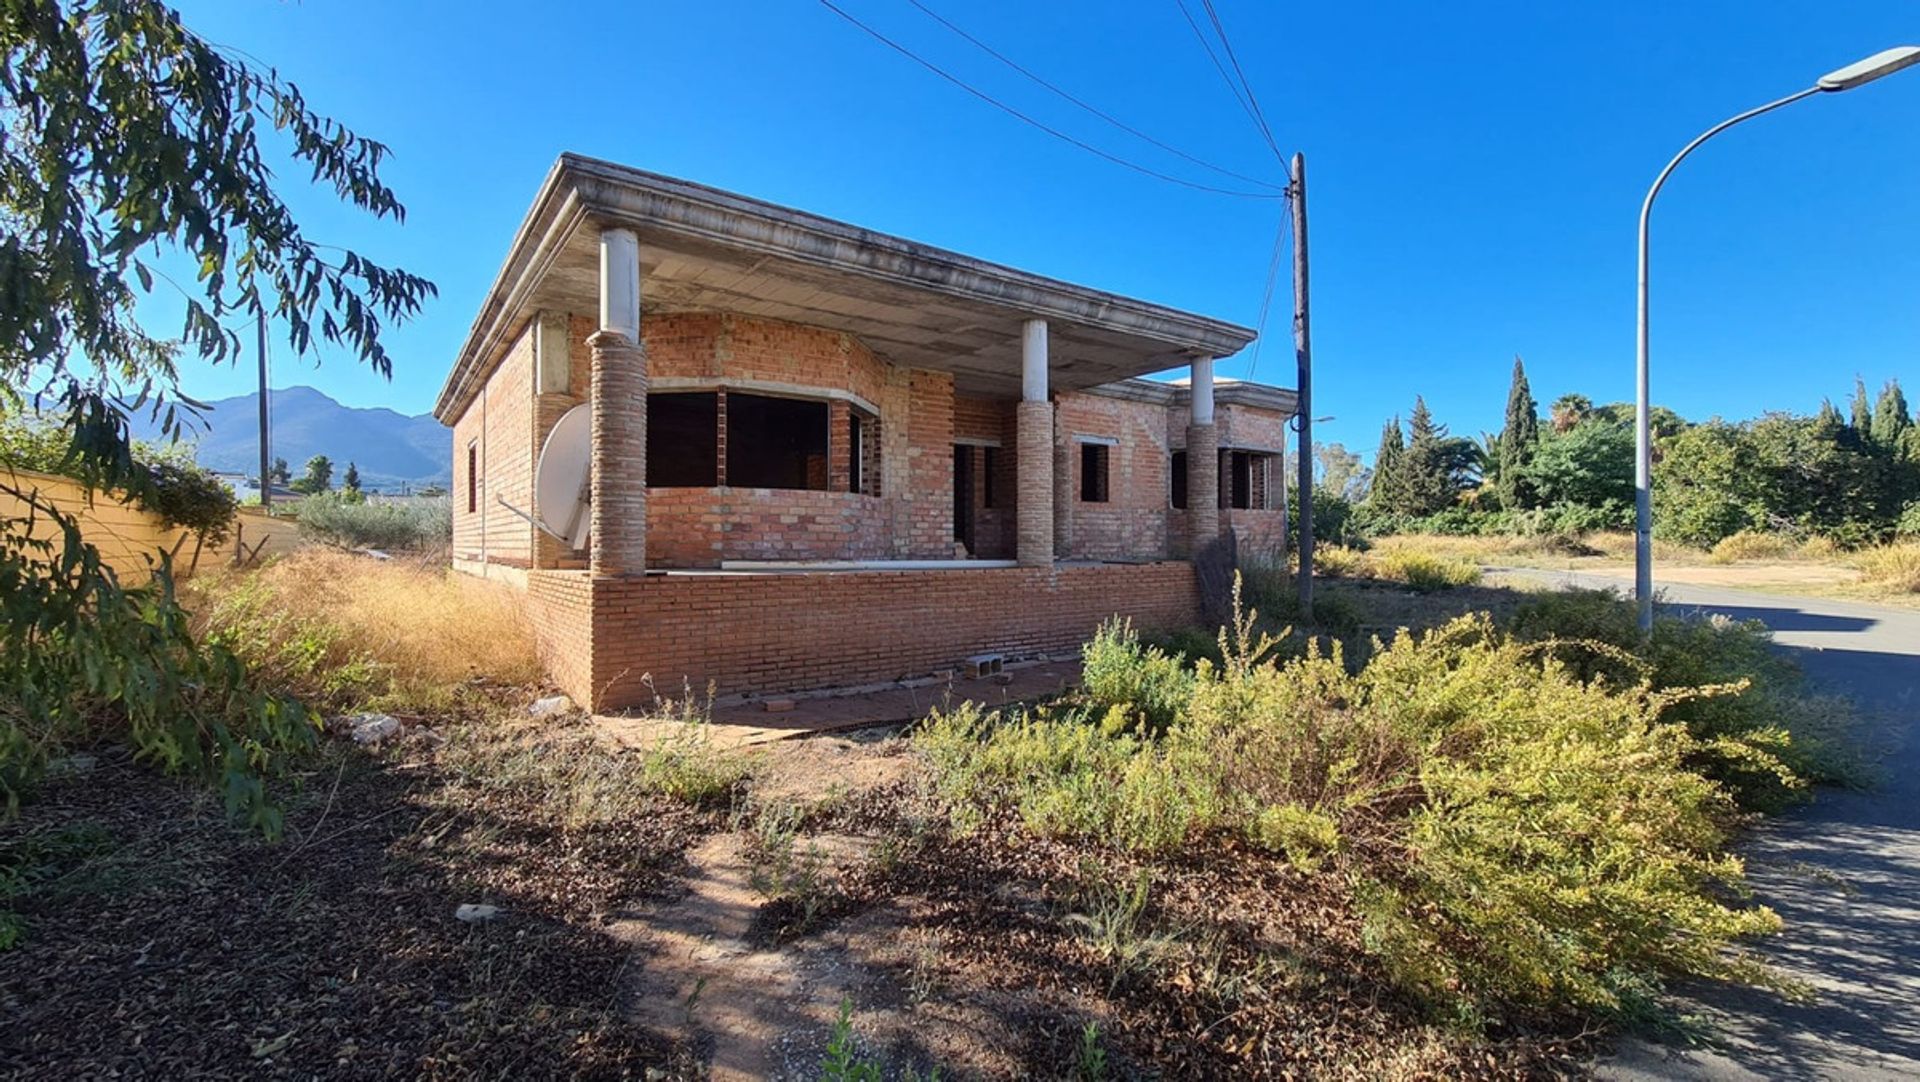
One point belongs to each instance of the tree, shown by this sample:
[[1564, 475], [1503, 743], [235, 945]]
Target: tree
[[1341, 472], [1862, 410], [1389, 493], [1429, 471], [1706, 485], [318, 478], [1590, 465], [1515, 446], [1890, 418], [281, 474], [131, 141], [351, 480], [1569, 410]]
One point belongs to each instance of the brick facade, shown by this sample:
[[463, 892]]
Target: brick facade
[[751, 633], [614, 642]]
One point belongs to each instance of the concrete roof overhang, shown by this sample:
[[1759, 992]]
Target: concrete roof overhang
[[706, 250]]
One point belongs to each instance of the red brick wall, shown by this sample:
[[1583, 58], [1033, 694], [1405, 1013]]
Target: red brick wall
[[699, 527], [500, 422], [755, 633], [560, 606], [1132, 524], [984, 422]]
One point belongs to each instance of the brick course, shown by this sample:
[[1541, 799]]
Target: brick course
[[743, 633]]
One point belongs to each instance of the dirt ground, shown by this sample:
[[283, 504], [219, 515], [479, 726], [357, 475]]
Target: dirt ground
[[638, 936]]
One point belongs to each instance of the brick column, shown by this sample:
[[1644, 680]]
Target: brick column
[[1033, 465], [1203, 460], [619, 413], [619, 454], [1063, 493]]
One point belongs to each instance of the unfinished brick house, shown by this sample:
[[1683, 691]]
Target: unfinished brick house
[[823, 456]]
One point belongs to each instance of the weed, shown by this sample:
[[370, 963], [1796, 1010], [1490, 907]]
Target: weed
[[353, 632], [1515, 834], [1092, 1063], [1138, 688], [1895, 568], [1425, 572], [1752, 545]]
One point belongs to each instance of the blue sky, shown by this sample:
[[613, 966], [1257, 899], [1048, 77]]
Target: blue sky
[[1475, 171]]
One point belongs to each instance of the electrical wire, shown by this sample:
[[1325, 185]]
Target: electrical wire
[[1024, 118], [1259, 116], [1282, 235], [1108, 117], [1201, 37]]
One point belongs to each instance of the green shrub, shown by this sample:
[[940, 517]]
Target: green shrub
[[1138, 688], [1760, 735], [343, 521], [1515, 836]]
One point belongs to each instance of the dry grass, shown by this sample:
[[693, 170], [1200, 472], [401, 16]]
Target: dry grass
[[1890, 568], [1754, 545], [357, 631]]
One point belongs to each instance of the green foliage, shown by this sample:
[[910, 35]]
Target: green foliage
[[842, 1062], [1702, 489], [1389, 491], [341, 520], [1435, 467], [36, 862], [78, 651], [172, 487], [1759, 734], [350, 481], [1137, 688], [1516, 836], [1517, 441], [129, 138], [1590, 465], [317, 479]]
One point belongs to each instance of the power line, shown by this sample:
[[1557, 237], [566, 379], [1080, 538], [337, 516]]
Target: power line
[[1281, 235], [1024, 118], [1109, 118], [1259, 116], [1201, 37]]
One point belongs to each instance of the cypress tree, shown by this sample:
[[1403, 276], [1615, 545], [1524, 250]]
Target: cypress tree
[[1517, 441], [1862, 410], [1890, 418], [1388, 492]]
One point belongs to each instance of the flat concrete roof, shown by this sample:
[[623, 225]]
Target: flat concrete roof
[[707, 250]]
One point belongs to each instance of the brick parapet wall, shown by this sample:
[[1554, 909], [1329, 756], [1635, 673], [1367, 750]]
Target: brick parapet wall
[[700, 527], [743, 633]]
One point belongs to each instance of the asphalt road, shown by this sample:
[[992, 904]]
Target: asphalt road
[[1844, 871]]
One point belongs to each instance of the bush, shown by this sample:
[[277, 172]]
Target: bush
[[344, 522], [1515, 838], [1137, 688], [1892, 567], [1759, 735], [1753, 545], [353, 632], [1426, 572]]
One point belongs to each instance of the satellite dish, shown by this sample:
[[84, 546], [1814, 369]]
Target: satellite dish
[[560, 480]]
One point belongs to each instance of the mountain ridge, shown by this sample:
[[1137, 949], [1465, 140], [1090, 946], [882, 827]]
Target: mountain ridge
[[389, 447]]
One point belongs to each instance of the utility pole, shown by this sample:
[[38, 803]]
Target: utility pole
[[1303, 354], [266, 453]]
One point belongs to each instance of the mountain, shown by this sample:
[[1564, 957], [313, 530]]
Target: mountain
[[389, 447]]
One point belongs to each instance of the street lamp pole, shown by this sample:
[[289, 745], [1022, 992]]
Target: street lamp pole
[[1853, 75]]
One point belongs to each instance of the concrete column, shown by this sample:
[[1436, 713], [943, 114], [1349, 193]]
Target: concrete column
[[1063, 493], [1203, 459], [619, 413], [1033, 466]]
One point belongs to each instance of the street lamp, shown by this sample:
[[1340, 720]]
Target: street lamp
[[1857, 74]]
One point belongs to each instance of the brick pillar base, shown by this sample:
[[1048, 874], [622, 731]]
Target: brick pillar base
[[1033, 484], [1062, 491], [1203, 485], [619, 454]]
